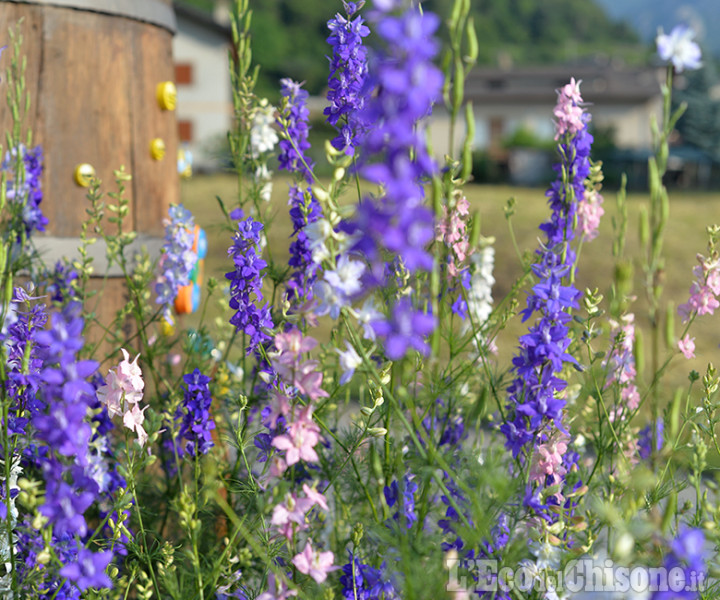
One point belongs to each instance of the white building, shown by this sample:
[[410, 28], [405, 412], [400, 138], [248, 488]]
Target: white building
[[204, 97]]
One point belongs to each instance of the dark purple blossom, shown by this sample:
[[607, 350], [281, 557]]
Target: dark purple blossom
[[24, 187], [294, 122], [394, 148], [366, 583], [348, 71], [60, 281], [405, 512], [534, 403], [89, 570], [688, 554], [196, 422], [304, 207], [21, 353], [645, 439], [62, 426], [246, 285], [407, 328]]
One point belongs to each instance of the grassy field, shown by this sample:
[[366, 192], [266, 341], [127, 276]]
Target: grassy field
[[690, 213]]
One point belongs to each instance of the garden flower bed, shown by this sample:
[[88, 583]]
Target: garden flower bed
[[346, 427]]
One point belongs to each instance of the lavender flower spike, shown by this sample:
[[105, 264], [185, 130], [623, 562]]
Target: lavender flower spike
[[534, 404], [246, 284], [348, 72]]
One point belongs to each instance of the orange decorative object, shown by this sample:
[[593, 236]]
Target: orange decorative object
[[188, 298]]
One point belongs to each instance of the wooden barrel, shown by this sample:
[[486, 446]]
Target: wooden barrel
[[93, 67], [92, 71]]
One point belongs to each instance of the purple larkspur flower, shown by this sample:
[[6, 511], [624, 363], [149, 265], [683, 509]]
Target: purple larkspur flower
[[246, 285], [304, 207], [23, 360], [405, 512], [296, 116], [645, 439], [533, 399], [687, 556], [394, 148], [62, 426], [89, 569], [60, 281], [363, 582], [348, 71], [24, 189], [196, 422], [407, 328]]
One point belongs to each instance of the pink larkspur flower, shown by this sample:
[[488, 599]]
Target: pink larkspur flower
[[315, 497], [687, 346], [124, 382], [548, 459], [300, 440], [703, 291], [122, 393], [289, 516], [589, 212], [315, 564], [133, 420]]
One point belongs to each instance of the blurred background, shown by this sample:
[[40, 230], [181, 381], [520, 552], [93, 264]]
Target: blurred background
[[528, 48]]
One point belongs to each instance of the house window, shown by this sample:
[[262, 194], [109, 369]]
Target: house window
[[185, 131], [183, 73]]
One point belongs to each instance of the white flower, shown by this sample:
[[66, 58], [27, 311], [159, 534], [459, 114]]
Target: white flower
[[329, 300], [679, 48], [349, 361], [346, 276], [366, 315], [263, 178], [262, 135], [318, 232], [548, 556], [479, 297]]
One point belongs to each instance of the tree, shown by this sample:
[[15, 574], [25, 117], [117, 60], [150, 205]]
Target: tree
[[700, 125]]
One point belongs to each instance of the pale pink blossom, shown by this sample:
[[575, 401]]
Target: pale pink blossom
[[568, 110], [289, 517], [279, 407], [315, 564], [572, 91], [620, 361], [630, 395], [452, 230], [300, 439], [315, 497], [124, 383], [687, 346], [548, 459], [133, 420], [703, 291], [122, 393], [309, 380], [589, 212]]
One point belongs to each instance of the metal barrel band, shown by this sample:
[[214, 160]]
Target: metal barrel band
[[146, 11]]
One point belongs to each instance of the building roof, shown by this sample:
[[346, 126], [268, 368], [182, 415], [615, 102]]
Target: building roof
[[529, 85], [201, 18]]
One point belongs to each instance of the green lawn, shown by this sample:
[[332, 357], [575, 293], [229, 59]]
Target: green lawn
[[691, 212]]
